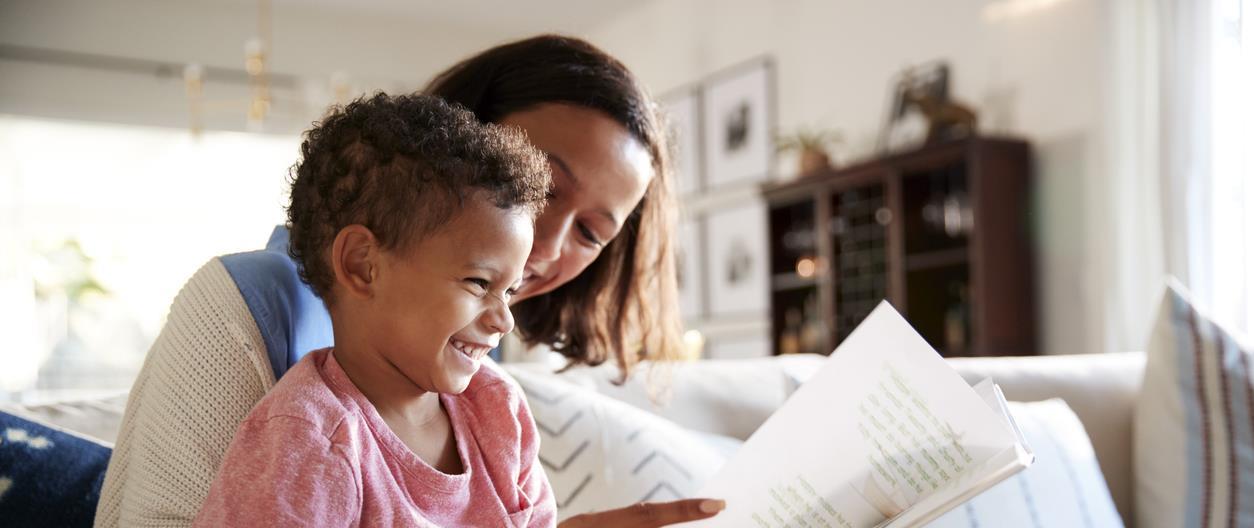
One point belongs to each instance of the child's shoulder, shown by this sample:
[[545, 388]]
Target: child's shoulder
[[492, 387], [492, 379], [303, 394]]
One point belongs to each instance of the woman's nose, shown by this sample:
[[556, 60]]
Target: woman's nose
[[551, 230]]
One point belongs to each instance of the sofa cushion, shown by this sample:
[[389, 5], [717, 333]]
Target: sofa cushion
[[1064, 487], [48, 477], [600, 453], [1194, 422]]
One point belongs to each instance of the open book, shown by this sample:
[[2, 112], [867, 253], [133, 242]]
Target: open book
[[885, 434]]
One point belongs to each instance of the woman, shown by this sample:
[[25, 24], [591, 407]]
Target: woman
[[588, 291], [599, 282]]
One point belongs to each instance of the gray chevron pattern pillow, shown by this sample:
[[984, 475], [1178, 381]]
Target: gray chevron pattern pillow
[[600, 453]]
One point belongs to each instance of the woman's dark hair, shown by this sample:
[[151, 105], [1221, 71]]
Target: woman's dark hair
[[625, 301]]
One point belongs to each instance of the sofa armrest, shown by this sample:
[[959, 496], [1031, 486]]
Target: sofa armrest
[[1100, 388]]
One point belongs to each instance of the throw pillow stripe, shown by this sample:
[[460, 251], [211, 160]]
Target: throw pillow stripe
[[1203, 413], [1246, 464], [1028, 501], [1229, 428]]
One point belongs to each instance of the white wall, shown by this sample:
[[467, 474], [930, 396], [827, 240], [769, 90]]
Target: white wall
[[1036, 69]]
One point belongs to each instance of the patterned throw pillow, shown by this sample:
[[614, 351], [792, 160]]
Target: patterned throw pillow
[[600, 453], [48, 477], [1194, 423], [1064, 487]]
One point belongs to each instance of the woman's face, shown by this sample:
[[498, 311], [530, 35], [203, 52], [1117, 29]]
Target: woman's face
[[600, 173]]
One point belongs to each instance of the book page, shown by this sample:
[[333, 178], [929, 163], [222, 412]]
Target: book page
[[884, 424]]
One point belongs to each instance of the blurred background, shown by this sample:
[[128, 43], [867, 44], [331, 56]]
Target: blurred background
[[140, 138]]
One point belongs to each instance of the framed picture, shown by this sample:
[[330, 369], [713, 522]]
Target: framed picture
[[683, 113], [736, 263], [738, 117], [691, 279], [906, 127]]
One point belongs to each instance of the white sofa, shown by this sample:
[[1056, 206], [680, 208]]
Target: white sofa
[[733, 397]]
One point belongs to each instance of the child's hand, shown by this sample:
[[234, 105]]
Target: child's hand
[[648, 514]]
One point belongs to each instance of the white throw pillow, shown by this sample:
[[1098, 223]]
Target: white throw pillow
[[1064, 487], [600, 453], [1194, 423]]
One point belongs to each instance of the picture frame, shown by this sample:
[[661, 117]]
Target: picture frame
[[682, 110], [904, 126], [736, 261], [738, 117], [690, 270]]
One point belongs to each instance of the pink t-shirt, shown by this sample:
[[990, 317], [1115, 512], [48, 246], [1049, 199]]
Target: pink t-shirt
[[315, 452]]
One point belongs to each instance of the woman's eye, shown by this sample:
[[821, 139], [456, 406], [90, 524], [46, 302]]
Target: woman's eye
[[588, 237]]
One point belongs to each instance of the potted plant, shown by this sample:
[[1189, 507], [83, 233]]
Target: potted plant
[[811, 146]]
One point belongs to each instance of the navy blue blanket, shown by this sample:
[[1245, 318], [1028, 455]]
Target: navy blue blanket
[[47, 477]]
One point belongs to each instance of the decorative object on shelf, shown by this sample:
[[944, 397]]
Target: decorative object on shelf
[[736, 263], [683, 117], [948, 207], [811, 146], [690, 271], [921, 111], [957, 320], [940, 232], [738, 116]]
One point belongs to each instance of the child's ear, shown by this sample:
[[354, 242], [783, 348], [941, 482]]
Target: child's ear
[[354, 257]]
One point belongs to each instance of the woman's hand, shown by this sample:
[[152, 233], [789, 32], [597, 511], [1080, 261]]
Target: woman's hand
[[648, 514]]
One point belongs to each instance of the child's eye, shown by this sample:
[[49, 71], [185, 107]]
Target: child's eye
[[481, 283]]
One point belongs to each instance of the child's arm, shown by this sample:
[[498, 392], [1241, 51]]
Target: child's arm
[[282, 471]]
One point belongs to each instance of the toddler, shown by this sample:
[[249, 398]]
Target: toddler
[[412, 222]]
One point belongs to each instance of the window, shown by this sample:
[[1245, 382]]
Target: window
[[100, 225]]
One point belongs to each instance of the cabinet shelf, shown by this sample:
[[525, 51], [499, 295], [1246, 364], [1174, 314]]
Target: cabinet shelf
[[791, 281], [936, 259]]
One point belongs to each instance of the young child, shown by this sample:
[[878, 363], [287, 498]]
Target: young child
[[412, 221]]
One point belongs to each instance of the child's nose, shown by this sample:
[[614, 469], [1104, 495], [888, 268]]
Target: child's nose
[[498, 318]]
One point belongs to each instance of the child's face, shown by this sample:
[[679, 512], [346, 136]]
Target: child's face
[[443, 303]]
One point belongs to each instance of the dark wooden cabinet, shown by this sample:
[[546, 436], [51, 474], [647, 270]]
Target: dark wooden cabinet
[[943, 233]]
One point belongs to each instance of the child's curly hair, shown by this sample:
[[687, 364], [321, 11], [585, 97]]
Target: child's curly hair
[[401, 166]]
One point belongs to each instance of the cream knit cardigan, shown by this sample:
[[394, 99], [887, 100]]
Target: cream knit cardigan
[[204, 373]]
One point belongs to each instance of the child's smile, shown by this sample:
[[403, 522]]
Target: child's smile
[[469, 352]]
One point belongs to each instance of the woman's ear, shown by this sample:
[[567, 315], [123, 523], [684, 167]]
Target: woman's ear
[[355, 259]]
